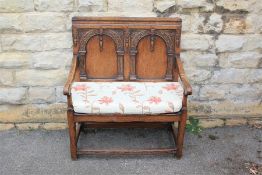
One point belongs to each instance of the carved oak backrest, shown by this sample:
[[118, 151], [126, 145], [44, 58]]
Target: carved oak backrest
[[128, 49]]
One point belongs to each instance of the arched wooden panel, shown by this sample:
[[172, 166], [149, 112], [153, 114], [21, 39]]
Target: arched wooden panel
[[101, 63], [151, 63]]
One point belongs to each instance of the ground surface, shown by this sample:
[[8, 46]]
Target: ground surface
[[219, 151]]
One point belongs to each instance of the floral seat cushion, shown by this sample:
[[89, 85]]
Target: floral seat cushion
[[126, 97]]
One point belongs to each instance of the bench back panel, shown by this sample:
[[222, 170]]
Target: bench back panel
[[126, 49]]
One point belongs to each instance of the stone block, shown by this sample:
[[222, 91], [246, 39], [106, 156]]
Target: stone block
[[6, 77], [51, 59], [27, 126], [41, 94], [13, 95], [236, 121], [133, 7], [55, 112], [54, 126], [13, 113], [54, 5], [6, 126], [197, 42], [200, 4], [212, 92], [163, 5], [234, 5], [13, 60], [60, 97], [16, 6], [42, 22], [198, 75], [252, 42], [10, 23], [40, 77], [186, 21], [230, 76], [191, 58], [240, 60], [92, 5], [36, 42], [211, 123], [229, 43], [235, 24], [207, 23]]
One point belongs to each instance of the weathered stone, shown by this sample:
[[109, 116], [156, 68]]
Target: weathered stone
[[6, 77], [233, 5], [230, 76], [134, 6], [6, 126], [236, 122], [206, 23], [54, 5], [54, 126], [235, 24], [191, 58], [40, 78], [55, 112], [229, 43], [28, 126], [13, 60], [163, 5], [41, 22], [197, 42], [211, 123], [13, 113], [189, 4], [186, 26], [16, 5], [60, 97], [240, 60], [195, 93], [12, 95], [51, 59], [212, 92], [41, 94], [10, 23], [252, 42], [92, 5], [198, 75], [255, 121], [254, 23], [36, 42]]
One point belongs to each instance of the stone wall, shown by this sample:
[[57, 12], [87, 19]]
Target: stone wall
[[221, 42]]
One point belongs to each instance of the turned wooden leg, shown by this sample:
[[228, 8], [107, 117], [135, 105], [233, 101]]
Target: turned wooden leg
[[72, 134], [181, 134]]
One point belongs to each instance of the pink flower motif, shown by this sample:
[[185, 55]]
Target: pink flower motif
[[81, 87], [127, 87], [170, 87], [105, 100], [154, 99]]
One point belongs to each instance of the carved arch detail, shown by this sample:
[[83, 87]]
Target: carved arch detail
[[115, 35], [167, 36]]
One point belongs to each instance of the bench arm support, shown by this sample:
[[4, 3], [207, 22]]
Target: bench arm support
[[187, 87], [71, 76]]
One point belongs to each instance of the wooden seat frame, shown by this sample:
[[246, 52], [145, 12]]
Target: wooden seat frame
[[126, 34]]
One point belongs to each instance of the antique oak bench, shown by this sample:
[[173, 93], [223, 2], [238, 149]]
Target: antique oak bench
[[126, 72]]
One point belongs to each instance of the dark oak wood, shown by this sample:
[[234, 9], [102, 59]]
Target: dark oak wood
[[126, 49]]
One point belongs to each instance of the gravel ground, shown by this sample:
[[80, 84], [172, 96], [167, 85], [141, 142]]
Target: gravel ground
[[224, 150]]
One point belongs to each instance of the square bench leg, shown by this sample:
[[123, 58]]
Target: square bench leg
[[181, 134], [72, 134]]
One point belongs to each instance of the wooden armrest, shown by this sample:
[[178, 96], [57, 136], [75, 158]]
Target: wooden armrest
[[186, 85], [71, 76]]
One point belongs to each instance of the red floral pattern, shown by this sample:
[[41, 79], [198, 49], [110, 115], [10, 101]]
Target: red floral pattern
[[81, 87], [105, 100], [170, 87], [126, 87], [154, 99]]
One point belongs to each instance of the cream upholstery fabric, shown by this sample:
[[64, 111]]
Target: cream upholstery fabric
[[126, 97]]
